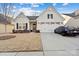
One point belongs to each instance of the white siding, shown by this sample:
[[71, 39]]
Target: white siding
[[2, 28], [73, 23], [67, 18], [21, 19], [43, 18], [8, 28]]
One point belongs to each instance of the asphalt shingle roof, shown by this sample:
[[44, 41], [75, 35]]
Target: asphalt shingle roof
[[32, 17]]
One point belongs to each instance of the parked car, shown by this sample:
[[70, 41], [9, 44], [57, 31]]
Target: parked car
[[66, 31]]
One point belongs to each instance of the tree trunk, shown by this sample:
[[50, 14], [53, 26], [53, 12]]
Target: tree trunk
[[5, 28]]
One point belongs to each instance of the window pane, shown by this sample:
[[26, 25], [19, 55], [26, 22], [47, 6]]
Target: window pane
[[19, 27], [24, 27], [51, 16], [48, 16]]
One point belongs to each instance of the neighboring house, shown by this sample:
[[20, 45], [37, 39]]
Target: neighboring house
[[72, 19], [5, 26], [47, 21], [67, 18], [73, 14], [73, 22]]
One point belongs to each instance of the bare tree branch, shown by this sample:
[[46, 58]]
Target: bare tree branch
[[7, 10]]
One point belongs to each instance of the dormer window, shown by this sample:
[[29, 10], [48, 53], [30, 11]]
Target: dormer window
[[50, 16]]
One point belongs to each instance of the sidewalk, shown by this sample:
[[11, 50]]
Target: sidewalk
[[21, 54]]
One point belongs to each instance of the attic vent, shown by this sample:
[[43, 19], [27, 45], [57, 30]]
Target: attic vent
[[50, 9]]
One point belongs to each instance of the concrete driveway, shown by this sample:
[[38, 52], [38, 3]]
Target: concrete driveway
[[55, 44]]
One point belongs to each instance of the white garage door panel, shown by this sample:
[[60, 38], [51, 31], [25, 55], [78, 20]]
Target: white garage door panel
[[48, 27]]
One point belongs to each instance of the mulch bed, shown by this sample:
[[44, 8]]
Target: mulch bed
[[7, 37]]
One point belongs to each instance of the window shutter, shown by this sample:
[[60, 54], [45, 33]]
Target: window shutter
[[26, 25], [51, 16], [16, 25]]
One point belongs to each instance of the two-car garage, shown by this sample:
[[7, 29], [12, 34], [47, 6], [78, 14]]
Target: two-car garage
[[49, 20]]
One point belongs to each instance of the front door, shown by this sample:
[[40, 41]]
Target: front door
[[34, 27]]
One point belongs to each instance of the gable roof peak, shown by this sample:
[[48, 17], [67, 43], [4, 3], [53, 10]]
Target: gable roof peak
[[22, 12], [50, 8]]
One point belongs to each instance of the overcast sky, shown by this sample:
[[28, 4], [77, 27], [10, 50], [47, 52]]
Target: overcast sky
[[37, 8]]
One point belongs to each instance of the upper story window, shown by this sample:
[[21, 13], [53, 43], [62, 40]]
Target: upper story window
[[50, 16]]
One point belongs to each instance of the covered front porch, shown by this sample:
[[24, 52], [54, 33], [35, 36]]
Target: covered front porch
[[33, 25]]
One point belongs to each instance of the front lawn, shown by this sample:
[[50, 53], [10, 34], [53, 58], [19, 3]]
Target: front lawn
[[20, 42]]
